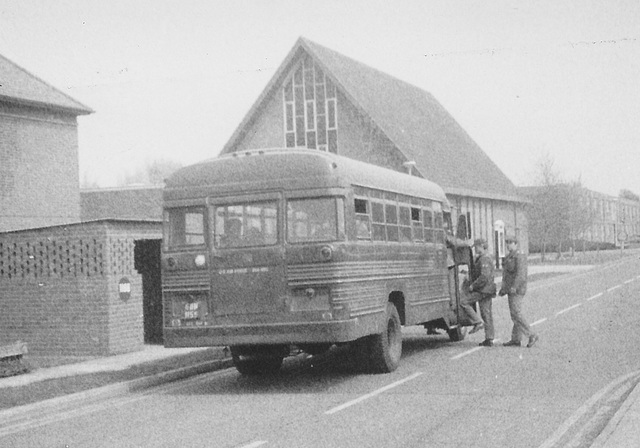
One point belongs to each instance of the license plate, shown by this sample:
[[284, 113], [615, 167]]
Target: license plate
[[192, 310]]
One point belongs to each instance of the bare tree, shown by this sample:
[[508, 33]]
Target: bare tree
[[628, 194], [559, 212], [580, 213], [87, 182], [152, 173]]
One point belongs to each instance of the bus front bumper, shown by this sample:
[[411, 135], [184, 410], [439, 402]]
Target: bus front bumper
[[277, 333]]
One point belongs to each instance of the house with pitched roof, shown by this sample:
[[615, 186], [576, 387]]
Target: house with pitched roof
[[323, 100], [39, 179]]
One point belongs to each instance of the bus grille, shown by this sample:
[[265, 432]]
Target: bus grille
[[185, 280]]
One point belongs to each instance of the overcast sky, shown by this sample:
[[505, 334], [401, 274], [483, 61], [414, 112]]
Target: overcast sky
[[173, 79]]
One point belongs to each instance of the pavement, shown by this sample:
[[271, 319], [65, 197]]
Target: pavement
[[623, 430]]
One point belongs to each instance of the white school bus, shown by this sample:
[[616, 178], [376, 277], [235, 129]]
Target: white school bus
[[269, 250]]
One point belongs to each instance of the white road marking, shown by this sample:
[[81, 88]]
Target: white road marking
[[629, 281], [473, 350], [372, 394], [468, 352], [614, 288], [600, 294], [539, 321], [568, 309], [254, 444]]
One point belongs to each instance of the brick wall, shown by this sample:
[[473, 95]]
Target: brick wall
[[39, 180], [59, 288]]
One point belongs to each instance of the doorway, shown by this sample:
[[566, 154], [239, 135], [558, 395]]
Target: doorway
[[147, 263]]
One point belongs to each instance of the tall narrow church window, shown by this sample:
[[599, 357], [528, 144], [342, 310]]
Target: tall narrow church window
[[310, 108]]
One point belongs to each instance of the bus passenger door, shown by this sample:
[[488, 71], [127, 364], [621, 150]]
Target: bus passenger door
[[459, 275]]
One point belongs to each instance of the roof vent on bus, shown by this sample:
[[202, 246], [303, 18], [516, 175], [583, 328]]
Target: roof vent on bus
[[409, 166]]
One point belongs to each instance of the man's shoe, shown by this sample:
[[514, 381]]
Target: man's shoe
[[476, 328], [532, 340], [486, 343], [512, 344]]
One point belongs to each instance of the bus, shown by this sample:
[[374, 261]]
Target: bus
[[277, 251]]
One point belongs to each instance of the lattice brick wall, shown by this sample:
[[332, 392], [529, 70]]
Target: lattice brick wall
[[121, 256], [52, 258]]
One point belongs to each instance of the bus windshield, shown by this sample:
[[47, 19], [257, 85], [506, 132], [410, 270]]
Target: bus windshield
[[317, 219], [186, 226], [246, 225]]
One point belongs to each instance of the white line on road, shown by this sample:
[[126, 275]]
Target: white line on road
[[568, 309], [468, 352], [600, 294], [539, 321], [254, 444], [473, 350], [614, 288], [372, 394], [629, 281]]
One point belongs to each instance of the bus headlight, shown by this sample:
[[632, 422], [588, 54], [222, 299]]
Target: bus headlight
[[200, 260], [327, 252]]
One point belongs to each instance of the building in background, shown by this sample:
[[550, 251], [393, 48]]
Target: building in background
[[605, 221], [322, 100], [38, 151], [79, 275]]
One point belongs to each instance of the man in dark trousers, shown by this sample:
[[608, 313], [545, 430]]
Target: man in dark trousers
[[483, 289], [514, 285]]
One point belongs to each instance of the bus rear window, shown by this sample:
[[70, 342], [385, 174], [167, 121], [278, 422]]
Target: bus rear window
[[185, 227], [318, 219], [246, 225]]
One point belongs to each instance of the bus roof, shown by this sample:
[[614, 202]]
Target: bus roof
[[290, 169]]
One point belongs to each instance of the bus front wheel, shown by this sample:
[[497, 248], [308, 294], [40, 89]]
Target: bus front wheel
[[257, 360], [385, 349]]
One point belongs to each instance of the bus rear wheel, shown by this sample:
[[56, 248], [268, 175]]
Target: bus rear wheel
[[385, 349], [257, 360]]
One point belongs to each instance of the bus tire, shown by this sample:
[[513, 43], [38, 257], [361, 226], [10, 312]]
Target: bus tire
[[457, 333], [255, 363], [385, 349]]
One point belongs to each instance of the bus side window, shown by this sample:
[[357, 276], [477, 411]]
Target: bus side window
[[405, 224], [363, 221], [416, 223], [428, 226], [438, 223], [391, 215], [377, 221]]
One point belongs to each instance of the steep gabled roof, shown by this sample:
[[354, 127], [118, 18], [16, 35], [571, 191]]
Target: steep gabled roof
[[18, 86], [416, 123]]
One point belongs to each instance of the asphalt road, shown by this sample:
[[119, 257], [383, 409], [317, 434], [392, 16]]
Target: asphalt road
[[558, 393]]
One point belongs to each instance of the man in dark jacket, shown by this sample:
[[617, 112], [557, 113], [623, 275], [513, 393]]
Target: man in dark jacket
[[514, 285], [483, 289]]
